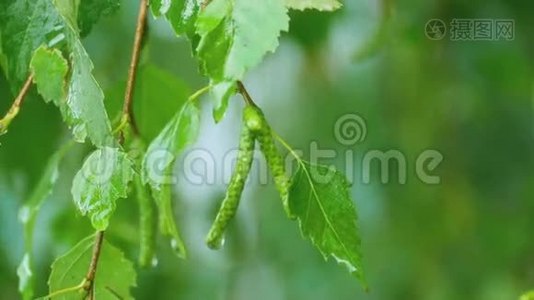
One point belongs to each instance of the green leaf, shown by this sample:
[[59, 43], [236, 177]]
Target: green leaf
[[86, 114], [319, 197], [91, 11], [328, 5], [221, 93], [82, 105], [24, 26], [167, 225], [50, 69], [147, 211], [234, 38], [27, 216], [53, 23], [235, 35], [180, 132], [114, 278], [147, 223], [181, 14], [103, 179]]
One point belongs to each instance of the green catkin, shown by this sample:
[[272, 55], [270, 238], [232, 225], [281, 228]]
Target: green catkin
[[147, 225], [233, 194], [259, 125]]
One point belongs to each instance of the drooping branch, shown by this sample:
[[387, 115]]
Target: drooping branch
[[127, 109], [128, 117], [91, 273], [15, 107]]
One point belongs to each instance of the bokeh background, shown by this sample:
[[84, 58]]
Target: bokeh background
[[469, 237]]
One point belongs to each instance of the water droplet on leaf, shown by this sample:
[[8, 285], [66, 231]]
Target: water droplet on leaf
[[217, 244]]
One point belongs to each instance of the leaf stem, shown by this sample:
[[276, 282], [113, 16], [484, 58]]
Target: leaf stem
[[127, 109], [286, 145], [91, 273], [115, 294], [64, 291], [198, 93], [246, 96], [15, 107]]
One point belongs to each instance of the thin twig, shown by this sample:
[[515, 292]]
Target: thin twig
[[127, 109], [127, 114], [246, 96], [22, 94], [91, 273], [15, 107]]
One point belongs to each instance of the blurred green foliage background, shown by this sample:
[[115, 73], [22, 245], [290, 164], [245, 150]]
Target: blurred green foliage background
[[469, 237]]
